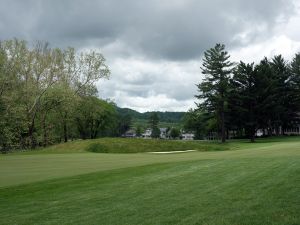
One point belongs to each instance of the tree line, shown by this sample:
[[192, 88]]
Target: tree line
[[48, 95], [239, 98], [168, 117]]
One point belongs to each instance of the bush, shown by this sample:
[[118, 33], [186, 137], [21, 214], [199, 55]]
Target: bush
[[97, 147], [155, 132], [175, 133]]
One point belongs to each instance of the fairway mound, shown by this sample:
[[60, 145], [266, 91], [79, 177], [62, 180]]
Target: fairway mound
[[133, 145], [137, 145], [171, 152]]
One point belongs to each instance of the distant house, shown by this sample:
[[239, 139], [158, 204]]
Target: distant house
[[129, 134], [287, 131], [187, 136], [147, 133], [292, 131], [163, 133], [259, 133]]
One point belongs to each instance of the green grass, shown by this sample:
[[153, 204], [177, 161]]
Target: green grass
[[137, 145], [130, 145], [249, 184]]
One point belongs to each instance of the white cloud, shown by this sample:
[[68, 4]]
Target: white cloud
[[275, 46], [159, 102], [148, 85]]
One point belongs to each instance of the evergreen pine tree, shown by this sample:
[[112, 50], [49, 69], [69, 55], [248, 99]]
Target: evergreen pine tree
[[214, 89]]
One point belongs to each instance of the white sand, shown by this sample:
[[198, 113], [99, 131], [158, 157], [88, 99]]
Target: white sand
[[170, 152]]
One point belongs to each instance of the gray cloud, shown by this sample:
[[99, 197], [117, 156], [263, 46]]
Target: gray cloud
[[159, 29], [153, 47]]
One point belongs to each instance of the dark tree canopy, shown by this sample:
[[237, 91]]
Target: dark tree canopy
[[213, 90], [174, 133], [153, 122], [238, 100], [244, 105]]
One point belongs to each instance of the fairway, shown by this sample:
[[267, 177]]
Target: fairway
[[245, 184]]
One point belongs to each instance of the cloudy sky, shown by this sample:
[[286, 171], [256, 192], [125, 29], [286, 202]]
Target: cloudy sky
[[154, 47]]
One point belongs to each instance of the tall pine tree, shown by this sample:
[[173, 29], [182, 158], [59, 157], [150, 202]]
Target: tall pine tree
[[213, 91], [282, 93], [244, 103], [295, 84]]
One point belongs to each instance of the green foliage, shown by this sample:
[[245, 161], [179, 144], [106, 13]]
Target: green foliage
[[98, 147], [94, 117], [155, 132], [165, 117], [295, 80], [40, 89], [263, 96], [153, 120], [245, 99], [153, 123], [201, 123], [214, 89], [138, 131], [174, 133], [143, 123], [125, 123]]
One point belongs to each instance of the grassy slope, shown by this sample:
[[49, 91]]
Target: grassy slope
[[127, 145], [134, 145], [258, 185], [70, 159]]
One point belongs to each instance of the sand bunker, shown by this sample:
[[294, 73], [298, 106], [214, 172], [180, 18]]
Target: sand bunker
[[170, 152]]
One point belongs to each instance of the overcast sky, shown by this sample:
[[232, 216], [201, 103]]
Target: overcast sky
[[154, 47]]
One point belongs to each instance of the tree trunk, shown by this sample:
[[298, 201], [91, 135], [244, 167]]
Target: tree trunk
[[30, 135], [277, 130], [282, 130], [45, 141], [65, 132], [252, 138], [31, 129], [65, 128], [270, 128], [223, 132]]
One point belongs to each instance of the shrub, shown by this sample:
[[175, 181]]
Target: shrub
[[97, 147]]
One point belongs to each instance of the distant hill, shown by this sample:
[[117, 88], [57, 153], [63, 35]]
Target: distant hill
[[165, 118]]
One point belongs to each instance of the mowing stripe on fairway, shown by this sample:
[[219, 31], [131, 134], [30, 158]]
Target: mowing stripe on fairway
[[252, 190], [18, 169]]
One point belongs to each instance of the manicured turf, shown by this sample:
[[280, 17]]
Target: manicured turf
[[132, 145], [136, 145], [253, 184]]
